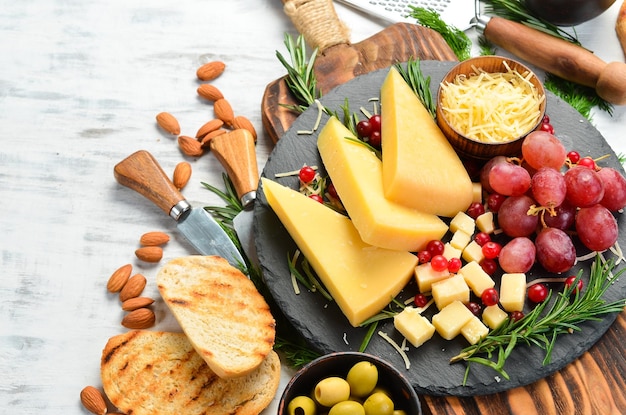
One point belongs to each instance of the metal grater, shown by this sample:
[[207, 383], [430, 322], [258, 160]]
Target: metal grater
[[457, 13]]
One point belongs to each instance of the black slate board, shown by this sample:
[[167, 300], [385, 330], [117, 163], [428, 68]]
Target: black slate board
[[323, 325]]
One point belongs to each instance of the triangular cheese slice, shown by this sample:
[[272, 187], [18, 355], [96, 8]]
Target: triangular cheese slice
[[361, 278]]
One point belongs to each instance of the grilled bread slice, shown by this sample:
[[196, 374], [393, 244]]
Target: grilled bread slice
[[150, 372], [220, 310]]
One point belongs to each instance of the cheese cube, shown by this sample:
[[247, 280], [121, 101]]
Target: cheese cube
[[425, 275], [513, 291], [477, 191], [474, 330], [450, 252], [485, 223], [463, 221], [460, 239], [473, 252], [449, 321], [476, 278], [413, 326], [451, 289], [493, 316]]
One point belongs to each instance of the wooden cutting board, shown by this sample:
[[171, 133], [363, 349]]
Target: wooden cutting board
[[340, 60]]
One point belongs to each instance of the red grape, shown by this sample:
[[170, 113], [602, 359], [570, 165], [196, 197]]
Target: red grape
[[614, 189], [555, 250], [563, 217], [584, 186], [542, 149], [484, 172], [518, 255], [596, 227], [514, 219], [509, 179], [548, 187]]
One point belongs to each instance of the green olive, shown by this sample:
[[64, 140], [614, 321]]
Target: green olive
[[332, 390], [347, 408], [301, 405], [362, 378], [399, 412], [378, 404]]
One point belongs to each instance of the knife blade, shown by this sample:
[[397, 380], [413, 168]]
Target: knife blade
[[237, 153], [142, 173]]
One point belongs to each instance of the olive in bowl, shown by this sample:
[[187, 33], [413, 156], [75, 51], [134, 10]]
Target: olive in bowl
[[487, 105], [349, 383]]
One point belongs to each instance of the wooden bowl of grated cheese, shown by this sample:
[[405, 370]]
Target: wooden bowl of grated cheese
[[486, 106]]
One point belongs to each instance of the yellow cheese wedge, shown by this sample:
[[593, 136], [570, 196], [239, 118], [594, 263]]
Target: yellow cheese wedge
[[356, 173], [361, 278], [420, 167]]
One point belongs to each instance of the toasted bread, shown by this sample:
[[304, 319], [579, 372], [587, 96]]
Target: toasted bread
[[150, 373], [220, 310]]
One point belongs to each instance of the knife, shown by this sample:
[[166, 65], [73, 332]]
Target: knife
[[237, 153], [142, 173]]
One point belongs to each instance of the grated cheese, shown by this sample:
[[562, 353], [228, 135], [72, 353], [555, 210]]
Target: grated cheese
[[407, 362], [492, 107]]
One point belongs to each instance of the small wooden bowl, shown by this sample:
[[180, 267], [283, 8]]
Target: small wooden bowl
[[472, 148]]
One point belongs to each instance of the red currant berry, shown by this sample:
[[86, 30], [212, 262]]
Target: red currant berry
[[454, 265], [420, 300], [488, 265], [375, 139], [494, 201], [573, 156], [435, 247], [482, 238], [547, 127], [545, 119], [364, 128], [439, 263], [375, 121], [490, 297], [537, 293], [516, 315], [475, 210], [570, 280], [587, 162], [424, 256], [317, 198], [332, 191], [306, 174], [475, 308], [491, 250]]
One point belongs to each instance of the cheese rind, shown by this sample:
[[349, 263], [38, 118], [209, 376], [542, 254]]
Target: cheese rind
[[356, 173], [361, 278], [420, 167]]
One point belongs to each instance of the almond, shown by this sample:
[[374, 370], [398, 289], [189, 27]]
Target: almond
[[93, 400], [207, 138], [133, 288], [224, 111], [182, 174], [137, 302], [149, 253], [190, 146], [118, 279], [210, 92], [168, 122], [210, 70], [208, 127], [141, 318], [154, 238], [242, 122]]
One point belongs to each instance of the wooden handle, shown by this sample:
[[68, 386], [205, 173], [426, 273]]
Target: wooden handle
[[142, 173], [236, 151], [560, 58]]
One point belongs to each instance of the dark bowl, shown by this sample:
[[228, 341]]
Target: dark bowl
[[475, 149], [338, 364], [568, 12]]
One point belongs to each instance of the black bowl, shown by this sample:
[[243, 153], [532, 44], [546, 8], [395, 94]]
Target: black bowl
[[338, 364], [568, 12]]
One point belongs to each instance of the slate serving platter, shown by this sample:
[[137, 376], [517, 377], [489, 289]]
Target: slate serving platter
[[323, 325]]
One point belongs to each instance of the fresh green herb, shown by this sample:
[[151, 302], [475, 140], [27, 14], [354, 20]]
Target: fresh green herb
[[296, 351], [458, 41], [485, 46], [307, 277], [300, 79], [582, 98], [547, 321], [419, 84]]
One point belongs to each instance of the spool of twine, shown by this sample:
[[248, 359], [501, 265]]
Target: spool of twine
[[318, 22]]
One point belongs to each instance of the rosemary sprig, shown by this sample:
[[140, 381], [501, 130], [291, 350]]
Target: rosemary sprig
[[419, 84], [583, 99], [547, 321], [458, 41]]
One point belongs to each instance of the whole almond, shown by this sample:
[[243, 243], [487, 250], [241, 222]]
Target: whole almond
[[242, 122], [93, 400], [224, 111], [141, 318], [206, 140], [210, 70], [133, 288], [137, 302], [118, 279], [182, 174], [149, 253], [208, 127], [210, 92], [168, 122], [190, 146], [154, 238]]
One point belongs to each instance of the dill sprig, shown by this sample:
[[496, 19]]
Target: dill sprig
[[419, 84], [542, 326], [458, 41], [300, 79]]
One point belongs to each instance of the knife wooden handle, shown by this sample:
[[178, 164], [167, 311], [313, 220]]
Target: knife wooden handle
[[237, 153], [142, 173], [317, 22], [560, 58]]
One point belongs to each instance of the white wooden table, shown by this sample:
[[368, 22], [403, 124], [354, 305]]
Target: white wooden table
[[80, 85]]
